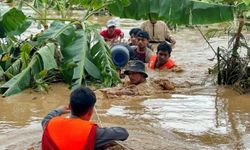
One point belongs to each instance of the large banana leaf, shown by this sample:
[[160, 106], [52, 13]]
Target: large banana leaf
[[14, 69], [13, 22], [43, 59], [80, 53], [175, 11], [19, 82], [74, 47], [55, 30], [80, 49], [47, 56], [101, 56]]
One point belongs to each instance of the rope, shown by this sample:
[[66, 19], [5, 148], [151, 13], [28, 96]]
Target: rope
[[100, 122]]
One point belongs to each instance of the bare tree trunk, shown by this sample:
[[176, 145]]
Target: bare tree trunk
[[238, 35]]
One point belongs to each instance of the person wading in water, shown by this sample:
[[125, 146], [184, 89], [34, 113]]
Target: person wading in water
[[77, 132]]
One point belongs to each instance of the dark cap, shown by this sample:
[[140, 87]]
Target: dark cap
[[134, 31], [164, 46], [143, 34], [136, 66]]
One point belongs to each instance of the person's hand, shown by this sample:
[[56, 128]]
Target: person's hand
[[109, 145], [122, 35], [63, 109], [172, 41], [114, 40]]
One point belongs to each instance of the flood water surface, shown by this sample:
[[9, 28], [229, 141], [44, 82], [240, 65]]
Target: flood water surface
[[198, 116], [212, 118]]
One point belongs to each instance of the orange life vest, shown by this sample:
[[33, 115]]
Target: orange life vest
[[169, 64], [69, 134]]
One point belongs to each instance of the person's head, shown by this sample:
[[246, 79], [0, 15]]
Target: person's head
[[136, 72], [111, 25], [163, 52], [152, 19], [142, 38], [133, 38], [82, 101]]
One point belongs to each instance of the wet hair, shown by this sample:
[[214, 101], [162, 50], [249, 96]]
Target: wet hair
[[81, 100], [165, 47], [143, 34], [134, 31]]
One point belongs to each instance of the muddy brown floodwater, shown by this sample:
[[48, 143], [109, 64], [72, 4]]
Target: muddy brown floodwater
[[199, 116]]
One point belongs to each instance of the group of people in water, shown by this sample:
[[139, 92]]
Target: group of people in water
[[142, 57], [76, 131], [140, 41]]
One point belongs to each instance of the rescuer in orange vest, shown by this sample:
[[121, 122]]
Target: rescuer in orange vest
[[162, 58], [77, 132]]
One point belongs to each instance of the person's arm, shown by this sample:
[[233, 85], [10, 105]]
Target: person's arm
[[106, 136], [121, 35], [118, 34], [54, 113], [171, 40], [168, 37]]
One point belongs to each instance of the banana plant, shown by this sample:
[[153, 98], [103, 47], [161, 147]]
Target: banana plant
[[77, 55], [42, 60]]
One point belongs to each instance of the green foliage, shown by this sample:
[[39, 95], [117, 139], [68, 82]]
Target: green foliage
[[13, 22], [23, 79], [247, 2], [102, 58], [75, 48], [25, 53], [178, 12], [230, 2], [92, 69], [78, 55], [14, 69], [89, 3], [96, 4], [43, 3], [1, 71], [78, 51], [47, 56]]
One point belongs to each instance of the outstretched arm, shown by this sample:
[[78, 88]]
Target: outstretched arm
[[54, 113], [106, 136]]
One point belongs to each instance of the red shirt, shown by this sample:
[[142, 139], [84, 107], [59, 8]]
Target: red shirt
[[117, 33], [169, 64]]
